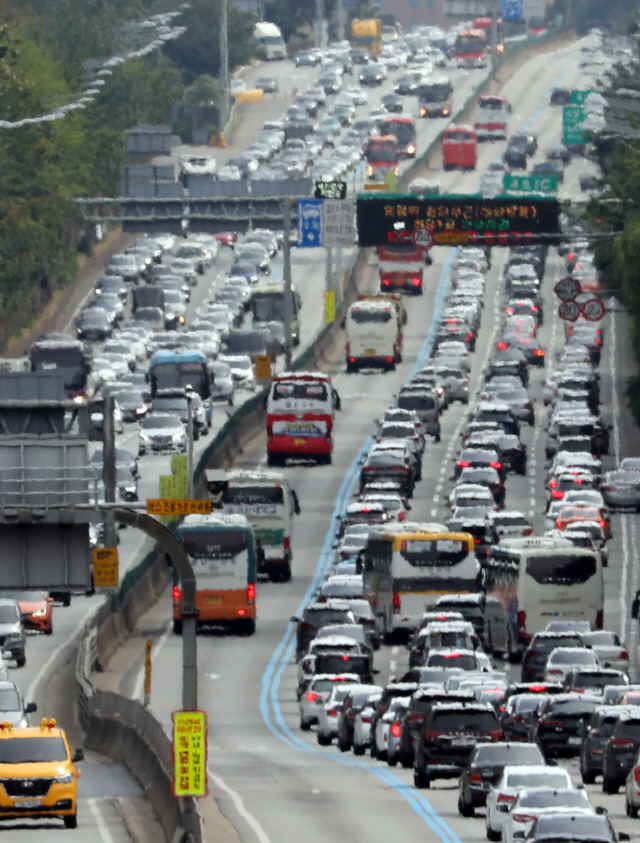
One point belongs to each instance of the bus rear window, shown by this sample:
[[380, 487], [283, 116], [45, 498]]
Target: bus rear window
[[425, 553], [458, 137], [554, 569], [313, 391], [253, 494], [220, 544], [365, 315]]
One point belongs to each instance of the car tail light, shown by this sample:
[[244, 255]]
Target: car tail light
[[506, 797], [396, 603], [522, 622], [414, 717], [348, 349], [510, 311], [312, 696], [602, 523], [546, 722], [366, 718], [388, 359], [432, 736], [242, 612], [477, 541], [523, 818], [396, 729], [352, 360], [624, 655], [287, 542], [496, 465], [502, 346], [416, 282], [332, 712], [622, 743], [599, 619], [496, 735], [557, 494], [553, 483], [464, 464], [554, 671], [475, 778], [386, 282], [636, 774], [251, 594], [177, 594], [538, 352]]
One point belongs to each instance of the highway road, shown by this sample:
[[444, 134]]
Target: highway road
[[273, 780]]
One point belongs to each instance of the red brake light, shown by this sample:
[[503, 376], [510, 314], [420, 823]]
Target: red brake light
[[251, 594], [511, 311], [332, 712], [622, 743], [345, 658], [416, 282], [396, 729], [599, 619], [624, 655], [553, 483], [312, 697], [287, 542], [502, 346], [557, 494], [464, 463], [177, 594], [497, 735], [506, 797], [636, 774], [396, 603], [476, 778], [496, 465], [523, 818], [538, 352]]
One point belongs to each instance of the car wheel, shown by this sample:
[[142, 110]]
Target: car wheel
[[609, 785], [464, 808], [177, 627], [357, 749], [66, 600], [323, 740], [493, 835], [631, 810], [305, 726], [21, 661], [392, 760], [421, 779], [588, 776], [49, 631], [71, 821], [343, 746]]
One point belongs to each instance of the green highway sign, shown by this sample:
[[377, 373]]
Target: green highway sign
[[572, 118], [530, 184], [572, 136], [580, 97]]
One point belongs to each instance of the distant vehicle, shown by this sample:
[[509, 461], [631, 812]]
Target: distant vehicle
[[372, 336], [269, 38], [179, 369], [404, 130], [198, 165], [382, 156], [435, 97], [492, 114], [470, 48], [66, 357], [268, 305], [401, 268], [459, 148], [368, 35]]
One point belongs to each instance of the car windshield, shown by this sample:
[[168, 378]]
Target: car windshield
[[574, 657], [166, 405], [551, 778], [578, 707], [32, 750], [452, 660], [152, 422], [550, 798], [577, 826]]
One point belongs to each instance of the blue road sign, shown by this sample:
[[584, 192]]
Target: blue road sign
[[310, 213], [512, 10]]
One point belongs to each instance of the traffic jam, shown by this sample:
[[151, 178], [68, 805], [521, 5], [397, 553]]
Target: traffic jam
[[507, 683]]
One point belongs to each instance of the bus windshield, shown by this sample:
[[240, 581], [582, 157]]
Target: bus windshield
[[180, 374], [268, 307], [471, 42], [405, 131], [300, 390], [458, 136], [380, 151], [438, 92]]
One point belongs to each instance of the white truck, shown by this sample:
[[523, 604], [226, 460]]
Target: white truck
[[270, 39]]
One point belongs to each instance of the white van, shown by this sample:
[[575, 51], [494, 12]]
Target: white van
[[270, 39], [269, 504], [373, 337]]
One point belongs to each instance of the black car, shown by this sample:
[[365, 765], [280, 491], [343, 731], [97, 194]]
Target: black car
[[599, 730], [449, 735], [518, 714], [354, 702], [561, 724], [419, 705], [514, 454], [393, 103], [389, 465], [371, 74], [359, 55], [549, 168], [269, 84], [534, 661], [620, 752], [94, 324], [317, 615], [407, 84], [334, 662], [485, 767], [560, 96], [518, 150]]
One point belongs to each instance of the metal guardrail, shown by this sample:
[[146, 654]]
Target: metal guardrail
[[44, 487]]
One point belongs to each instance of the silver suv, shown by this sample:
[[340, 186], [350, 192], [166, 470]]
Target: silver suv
[[12, 635]]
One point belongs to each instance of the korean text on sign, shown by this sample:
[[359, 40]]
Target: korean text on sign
[[190, 753], [178, 506]]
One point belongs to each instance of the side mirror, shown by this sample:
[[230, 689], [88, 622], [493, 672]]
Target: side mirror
[[30, 708], [600, 809], [78, 755], [294, 619]]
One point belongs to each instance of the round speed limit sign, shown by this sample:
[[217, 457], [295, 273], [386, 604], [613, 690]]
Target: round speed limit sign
[[569, 311], [593, 310], [423, 238], [567, 289]]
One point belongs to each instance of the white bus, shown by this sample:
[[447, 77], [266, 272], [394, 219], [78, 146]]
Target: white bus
[[532, 581], [408, 566]]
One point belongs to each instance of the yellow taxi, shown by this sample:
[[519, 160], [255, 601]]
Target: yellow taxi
[[38, 776]]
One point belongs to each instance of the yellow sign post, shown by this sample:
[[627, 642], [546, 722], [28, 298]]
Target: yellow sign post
[[263, 367], [105, 567], [190, 753], [329, 306], [177, 506], [180, 473]]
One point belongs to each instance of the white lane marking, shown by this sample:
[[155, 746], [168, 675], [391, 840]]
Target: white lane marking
[[212, 675], [101, 825], [155, 652], [45, 669], [246, 815]]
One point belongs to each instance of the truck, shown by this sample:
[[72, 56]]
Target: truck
[[148, 296], [403, 128], [270, 39], [401, 268], [367, 35], [459, 148], [492, 115]]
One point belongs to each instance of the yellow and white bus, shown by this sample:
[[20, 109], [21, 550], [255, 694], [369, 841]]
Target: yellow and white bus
[[408, 566]]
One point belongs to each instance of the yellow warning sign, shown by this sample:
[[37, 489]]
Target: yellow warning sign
[[177, 506], [190, 753], [330, 306], [105, 567], [263, 367]]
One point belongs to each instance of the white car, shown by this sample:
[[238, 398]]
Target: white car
[[564, 659], [393, 734], [538, 802], [471, 494], [383, 724], [514, 779], [362, 726], [328, 714], [242, 370], [317, 693], [608, 648]]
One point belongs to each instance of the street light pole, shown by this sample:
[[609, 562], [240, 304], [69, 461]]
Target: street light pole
[[494, 33]]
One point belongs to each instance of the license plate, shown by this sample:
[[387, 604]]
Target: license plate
[[28, 803], [574, 741], [459, 742], [214, 600], [299, 441], [370, 352]]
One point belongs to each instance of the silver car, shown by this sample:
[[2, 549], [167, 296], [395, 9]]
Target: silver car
[[328, 714], [621, 489], [317, 692], [160, 432]]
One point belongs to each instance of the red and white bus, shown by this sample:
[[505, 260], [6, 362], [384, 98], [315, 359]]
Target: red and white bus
[[459, 148], [300, 412], [492, 117], [403, 128], [401, 268], [471, 48]]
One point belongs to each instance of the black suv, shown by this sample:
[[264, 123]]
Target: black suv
[[534, 661], [518, 714], [417, 710], [485, 768], [620, 751], [599, 730], [317, 615], [561, 725], [449, 735]]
